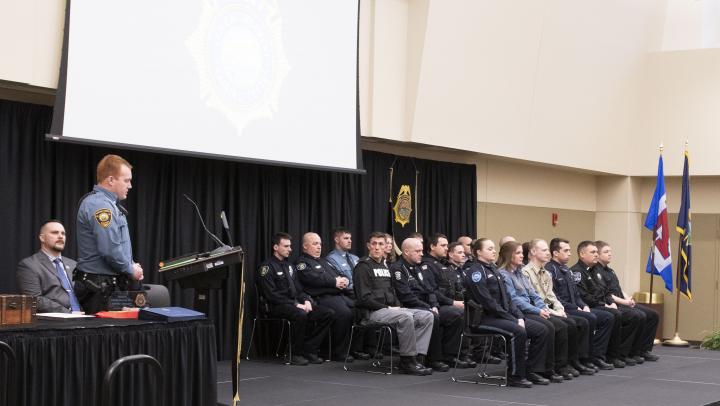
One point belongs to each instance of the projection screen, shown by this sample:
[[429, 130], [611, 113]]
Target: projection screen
[[254, 80]]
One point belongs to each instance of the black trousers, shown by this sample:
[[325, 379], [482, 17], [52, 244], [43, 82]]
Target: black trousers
[[520, 357], [342, 321], [579, 345], [626, 326], [645, 336], [600, 325], [557, 341], [308, 329], [445, 338]]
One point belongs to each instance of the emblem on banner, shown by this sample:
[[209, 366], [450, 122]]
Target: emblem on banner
[[403, 205]]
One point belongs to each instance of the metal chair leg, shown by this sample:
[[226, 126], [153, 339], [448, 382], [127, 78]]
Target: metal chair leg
[[252, 336], [282, 332]]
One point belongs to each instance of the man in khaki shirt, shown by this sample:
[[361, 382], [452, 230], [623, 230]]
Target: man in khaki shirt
[[541, 281]]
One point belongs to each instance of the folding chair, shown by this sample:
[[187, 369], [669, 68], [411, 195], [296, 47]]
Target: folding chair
[[262, 310], [383, 331], [472, 328]]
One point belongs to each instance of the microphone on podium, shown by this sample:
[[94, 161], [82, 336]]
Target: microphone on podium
[[222, 247]]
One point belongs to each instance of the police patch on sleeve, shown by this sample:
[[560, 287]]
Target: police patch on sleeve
[[301, 266], [264, 270], [103, 217], [398, 275], [476, 276]]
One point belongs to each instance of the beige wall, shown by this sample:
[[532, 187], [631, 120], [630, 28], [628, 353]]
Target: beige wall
[[32, 40], [681, 100]]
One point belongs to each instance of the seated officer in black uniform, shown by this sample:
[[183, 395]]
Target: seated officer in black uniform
[[599, 322], [377, 302], [329, 288], [595, 294], [451, 285], [649, 318], [486, 287], [282, 290], [414, 292]]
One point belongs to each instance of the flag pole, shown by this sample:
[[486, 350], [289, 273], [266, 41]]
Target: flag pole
[[676, 341], [656, 341]]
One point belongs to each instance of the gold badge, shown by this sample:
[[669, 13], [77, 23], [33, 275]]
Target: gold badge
[[264, 270], [103, 217], [140, 300], [403, 206]]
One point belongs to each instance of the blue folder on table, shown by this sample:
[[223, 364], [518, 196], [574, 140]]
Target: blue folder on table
[[169, 314]]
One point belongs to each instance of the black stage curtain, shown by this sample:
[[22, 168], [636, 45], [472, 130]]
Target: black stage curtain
[[42, 180]]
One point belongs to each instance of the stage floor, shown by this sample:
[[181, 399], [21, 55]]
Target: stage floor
[[682, 376]]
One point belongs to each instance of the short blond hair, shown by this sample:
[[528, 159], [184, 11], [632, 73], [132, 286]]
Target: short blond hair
[[110, 166]]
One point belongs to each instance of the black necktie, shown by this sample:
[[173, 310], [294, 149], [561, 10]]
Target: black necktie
[[349, 261]]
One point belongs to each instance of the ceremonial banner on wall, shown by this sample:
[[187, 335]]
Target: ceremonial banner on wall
[[403, 198]]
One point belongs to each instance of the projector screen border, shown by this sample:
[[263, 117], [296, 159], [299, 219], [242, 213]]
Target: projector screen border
[[230, 158]]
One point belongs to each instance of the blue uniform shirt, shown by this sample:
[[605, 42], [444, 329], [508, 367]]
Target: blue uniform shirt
[[338, 259], [102, 235]]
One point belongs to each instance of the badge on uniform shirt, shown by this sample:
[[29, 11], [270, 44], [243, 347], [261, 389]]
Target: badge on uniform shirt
[[599, 276], [424, 267], [420, 276], [264, 270], [476, 276], [398, 275], [301, 266], [103, 217]]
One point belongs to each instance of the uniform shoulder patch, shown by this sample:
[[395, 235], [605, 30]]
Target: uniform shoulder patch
[[424, 267], [103, 217], [476, 276], [300, 266], [398, 275], [264, 270]]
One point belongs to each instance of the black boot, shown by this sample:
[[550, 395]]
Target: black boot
[[409, 365]]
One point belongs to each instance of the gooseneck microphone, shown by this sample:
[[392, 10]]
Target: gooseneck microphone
[[223, 217], [221, 246]]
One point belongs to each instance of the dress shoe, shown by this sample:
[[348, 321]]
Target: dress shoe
[[314, 359], [638, 359], [342, 358], [536, 379], [438, 366], [360, 355], [617, 363], [567, 373], [575, 373], [408, 365], [489, 358], [469, 361], [603, 365], [553, 377], [583, 369], [650, 356], [628, 361], [456, 363], [591, 365], [376, 355], [298, 360], [518, 382]]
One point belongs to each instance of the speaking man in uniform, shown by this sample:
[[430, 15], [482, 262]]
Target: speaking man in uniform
[[105, 259]]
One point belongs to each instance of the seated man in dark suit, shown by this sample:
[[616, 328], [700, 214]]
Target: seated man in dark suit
[[47, 275]]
